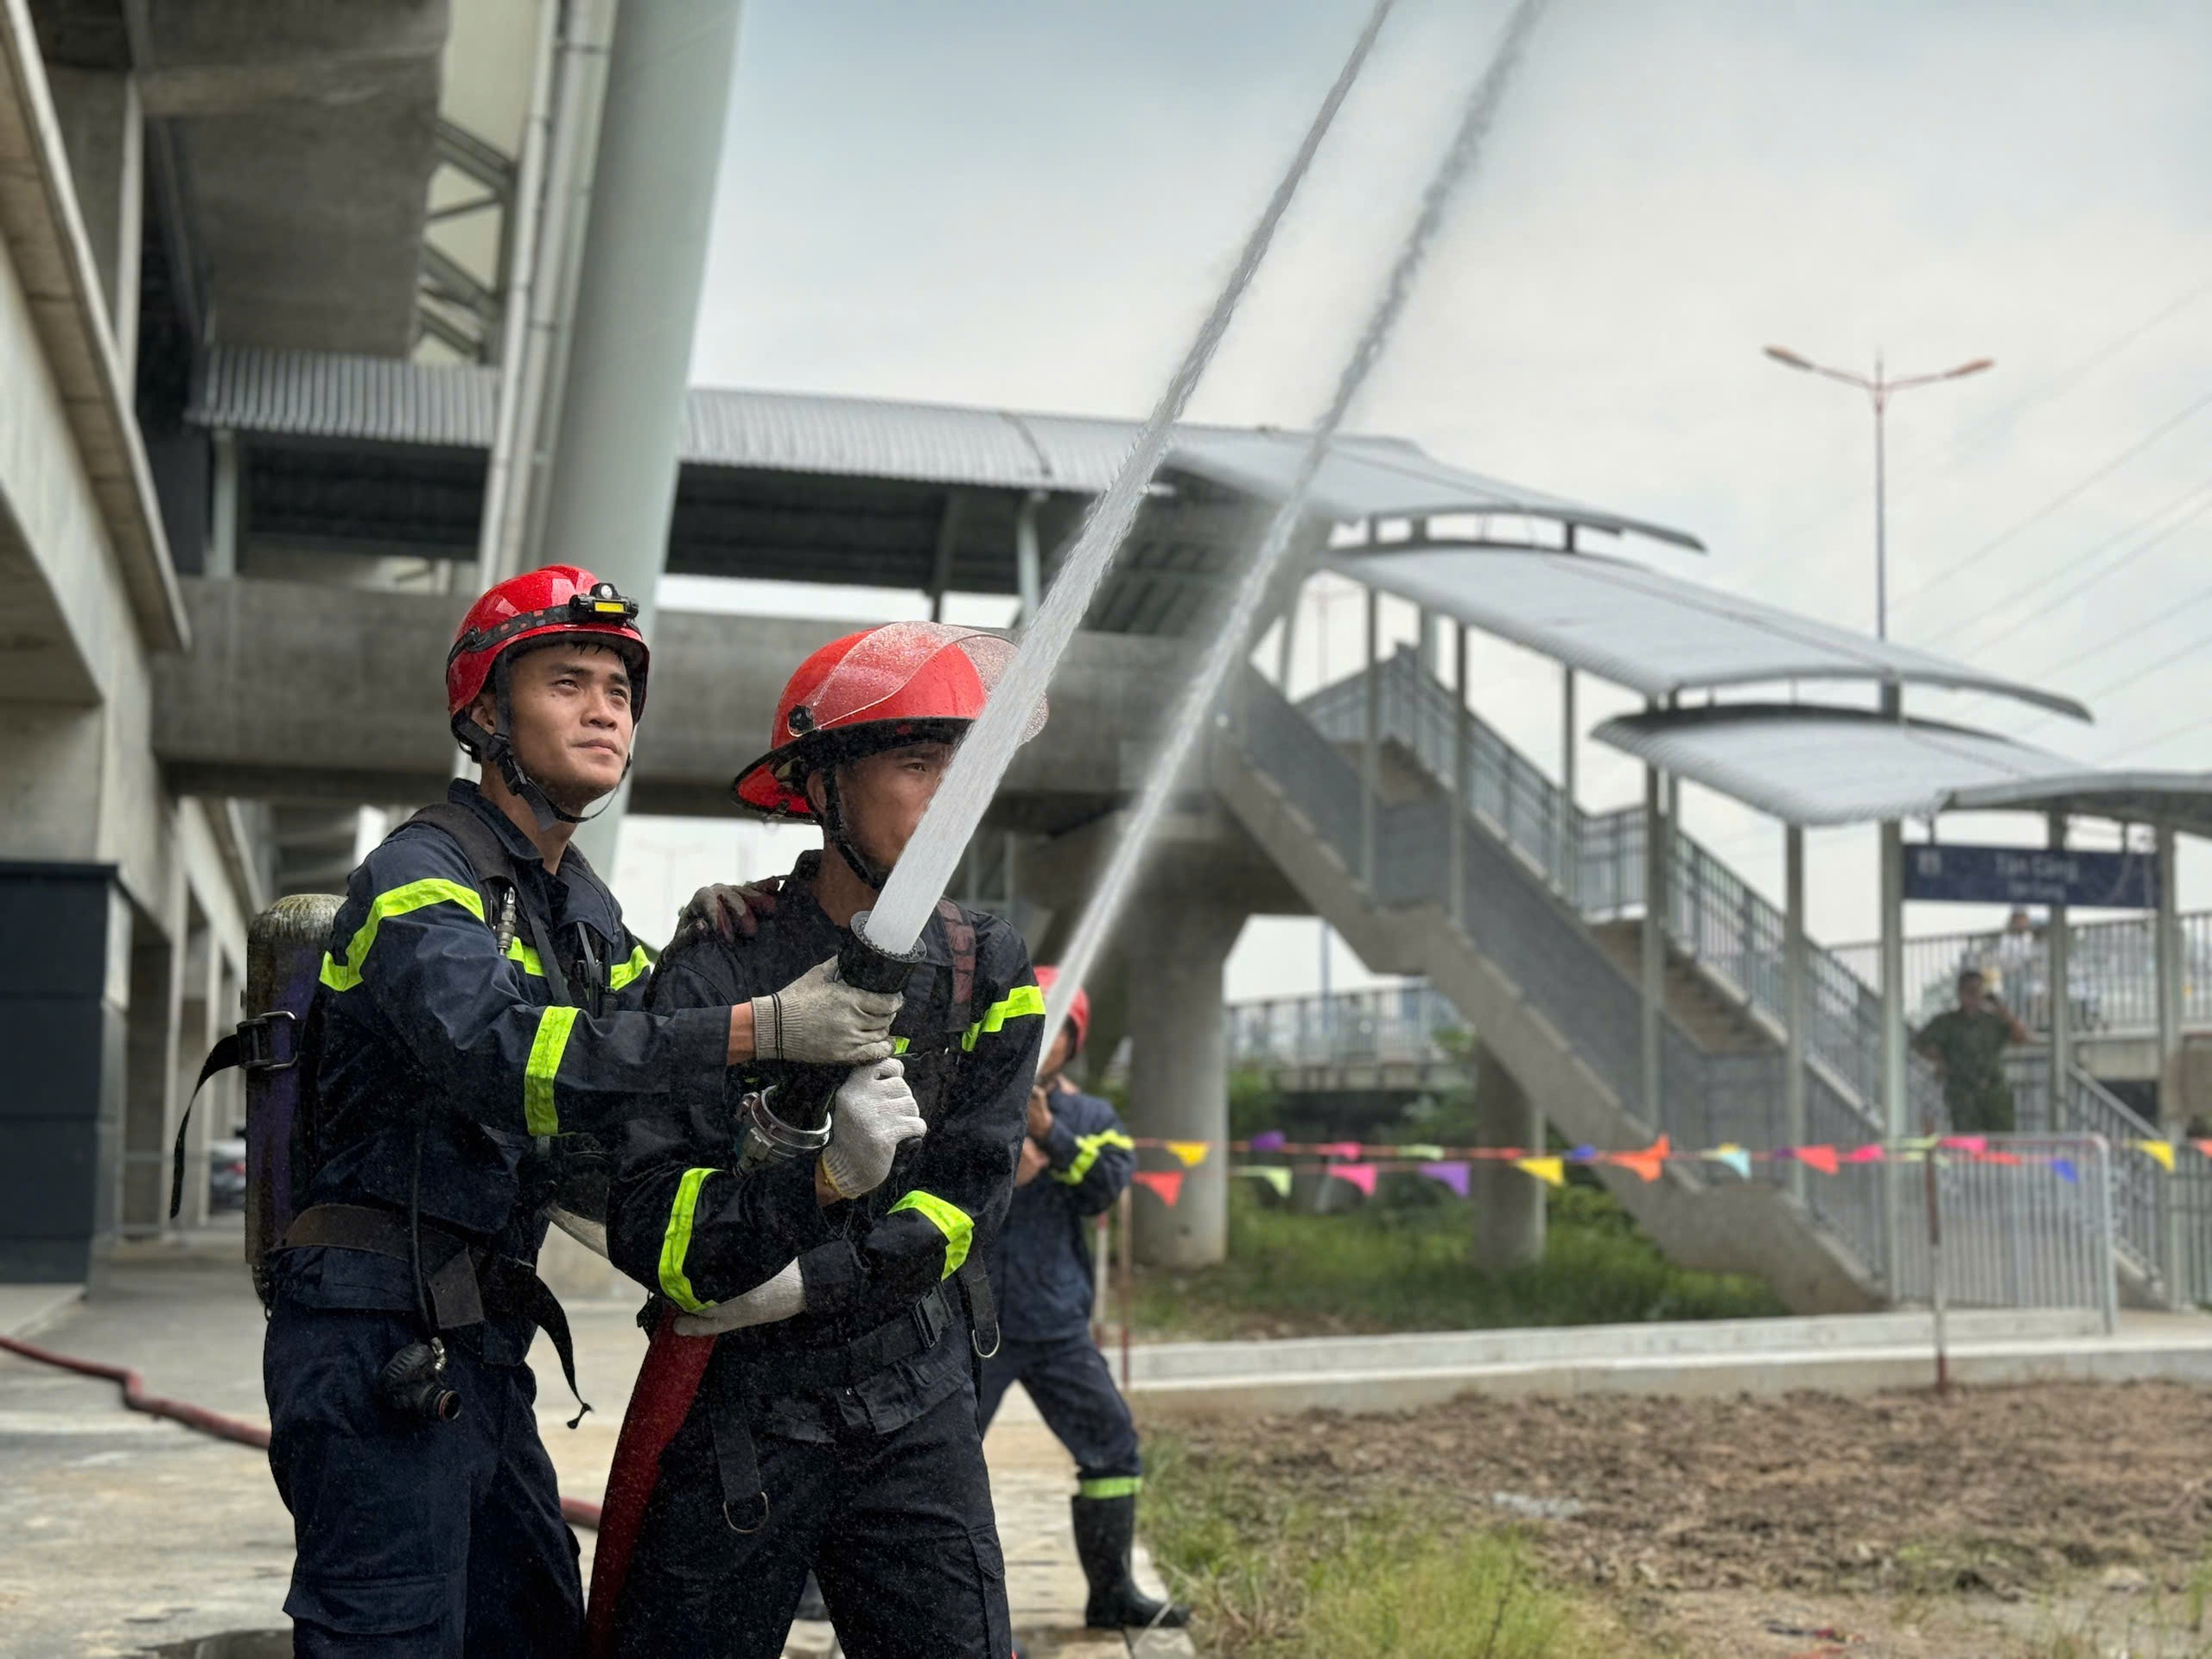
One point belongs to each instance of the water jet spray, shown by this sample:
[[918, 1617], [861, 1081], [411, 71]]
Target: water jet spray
[[927, 864], [1112, 890]]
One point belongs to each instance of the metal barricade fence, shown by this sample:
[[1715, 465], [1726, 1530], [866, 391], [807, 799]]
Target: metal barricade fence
[[2032, 1226]]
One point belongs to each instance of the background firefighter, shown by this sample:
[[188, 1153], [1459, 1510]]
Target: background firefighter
[[1076, 1160], [481, 1003], [833, 1427]]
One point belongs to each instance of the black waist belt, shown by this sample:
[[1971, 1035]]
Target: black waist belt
[[467, 1284], [767, 1374]]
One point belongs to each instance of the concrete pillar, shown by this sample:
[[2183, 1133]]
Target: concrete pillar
[[1370, 786], [224, 501], [612, 485], [1178, 1069], [1509, 1206], [104, 134], [1797, 967], [148, 1079]]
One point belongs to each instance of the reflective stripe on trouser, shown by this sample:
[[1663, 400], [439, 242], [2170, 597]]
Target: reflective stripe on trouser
[[1075, 1395], [416, 1540], [897, 1528]]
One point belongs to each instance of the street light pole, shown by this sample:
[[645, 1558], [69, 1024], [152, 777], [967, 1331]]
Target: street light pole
[[1879, 390]]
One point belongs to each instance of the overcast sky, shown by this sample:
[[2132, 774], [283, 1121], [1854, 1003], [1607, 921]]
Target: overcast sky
[[1031, 205]]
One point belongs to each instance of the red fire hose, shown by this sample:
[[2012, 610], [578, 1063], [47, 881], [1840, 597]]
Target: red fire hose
[[574, 1509]]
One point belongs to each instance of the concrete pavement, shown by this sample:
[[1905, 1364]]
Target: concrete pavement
[[128, 1535]]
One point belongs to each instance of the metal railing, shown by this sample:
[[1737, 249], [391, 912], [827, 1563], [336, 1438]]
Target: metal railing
[[2111, 972], [1596, 861], [1392, 1026], [2038, 1232]]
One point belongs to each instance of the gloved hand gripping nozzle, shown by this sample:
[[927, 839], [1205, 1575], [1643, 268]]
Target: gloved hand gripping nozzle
[[809, 1028]]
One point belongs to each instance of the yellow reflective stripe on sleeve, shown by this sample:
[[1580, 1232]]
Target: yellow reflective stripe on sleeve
[[545, 1052], [628, 973], [517, 951], [899, 1045], [951, 1220], [1022, 999], [1111, 1486], [345, 975], [675, 1242], [1087, 1148]]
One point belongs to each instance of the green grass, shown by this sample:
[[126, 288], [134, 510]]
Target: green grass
[[1381, 1268], [1274, 1575]]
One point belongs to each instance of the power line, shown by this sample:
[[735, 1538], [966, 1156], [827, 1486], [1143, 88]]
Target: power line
[[2116, 565], [1976, 436], [2071, 492]]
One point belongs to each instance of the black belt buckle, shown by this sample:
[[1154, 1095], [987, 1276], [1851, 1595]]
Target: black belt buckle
[[258, 1049], [930, 1317]]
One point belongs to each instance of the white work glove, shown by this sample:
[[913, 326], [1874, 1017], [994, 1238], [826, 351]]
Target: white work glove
[[778, 1298], [872, 1113], [819, 1019]]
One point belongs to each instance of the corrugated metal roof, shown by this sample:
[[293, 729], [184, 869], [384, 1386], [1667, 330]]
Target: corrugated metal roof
[[379, 400], [2181, 798], [1812, 765], [1653, 633]]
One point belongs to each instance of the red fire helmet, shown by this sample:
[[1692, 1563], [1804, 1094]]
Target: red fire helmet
[[1078, 1010], [561, 599], [902, 682]]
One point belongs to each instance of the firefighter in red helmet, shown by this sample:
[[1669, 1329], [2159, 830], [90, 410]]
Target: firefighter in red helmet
[[481, 1019], [1077, 1159], [815, 1407]]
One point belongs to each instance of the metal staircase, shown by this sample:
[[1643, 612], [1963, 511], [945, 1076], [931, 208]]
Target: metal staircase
[[1531, 941]]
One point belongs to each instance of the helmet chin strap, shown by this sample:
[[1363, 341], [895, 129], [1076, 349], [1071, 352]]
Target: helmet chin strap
[[834, 832], [496, 749]]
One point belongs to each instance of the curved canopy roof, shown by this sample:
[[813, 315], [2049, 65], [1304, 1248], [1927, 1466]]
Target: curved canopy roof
[[1652, 632], [1808, 765]]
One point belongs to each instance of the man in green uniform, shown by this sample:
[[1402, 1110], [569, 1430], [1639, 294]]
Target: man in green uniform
[[1968, 1047]]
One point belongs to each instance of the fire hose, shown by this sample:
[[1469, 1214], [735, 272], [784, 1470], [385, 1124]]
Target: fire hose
[[574, 1510]]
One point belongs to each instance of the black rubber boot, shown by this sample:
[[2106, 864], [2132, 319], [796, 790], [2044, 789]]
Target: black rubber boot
[[1105, 1533]]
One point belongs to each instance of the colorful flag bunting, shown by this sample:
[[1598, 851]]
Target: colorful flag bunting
[[2204, 1146], [2161, 1152], [1193, 1152], [2064, 1168], [1583, 1156], [1340, 1149], [1544, 1169], [1270, 1140], [1166, 1185], [1273, 1174], [1735, 1158], [1453, 1174], [1360, 1175], [1965, 1143], [1821, 1157], [1421, 1150], [1647, 1163], [1872, 1154]]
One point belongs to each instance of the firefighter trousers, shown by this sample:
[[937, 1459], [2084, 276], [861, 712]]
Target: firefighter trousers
[[897, 1527], [415, 1540]]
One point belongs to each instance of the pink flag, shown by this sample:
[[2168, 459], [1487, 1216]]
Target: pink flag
[[1166, 1185], [1872, 1154], [1821, 1157], [1975, 1143], [1340, 1149], [1360, 1175]]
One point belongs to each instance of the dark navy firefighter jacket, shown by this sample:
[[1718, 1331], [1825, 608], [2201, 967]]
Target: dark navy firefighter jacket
[[1041, 1268], [685, 1222], [426, 1022]]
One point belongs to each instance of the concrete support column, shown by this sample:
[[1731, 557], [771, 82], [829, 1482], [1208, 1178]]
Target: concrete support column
[[1509, 1206], [202, 975], [1795, 968], [1178, 1069], [149, 1077], [612, 485], [103, 133], [224, 521], [1371, 761]]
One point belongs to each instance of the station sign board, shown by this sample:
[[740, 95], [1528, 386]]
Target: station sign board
[[1948, 873]]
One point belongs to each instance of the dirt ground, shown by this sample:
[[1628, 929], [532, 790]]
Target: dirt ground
[[2056, 1520]]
